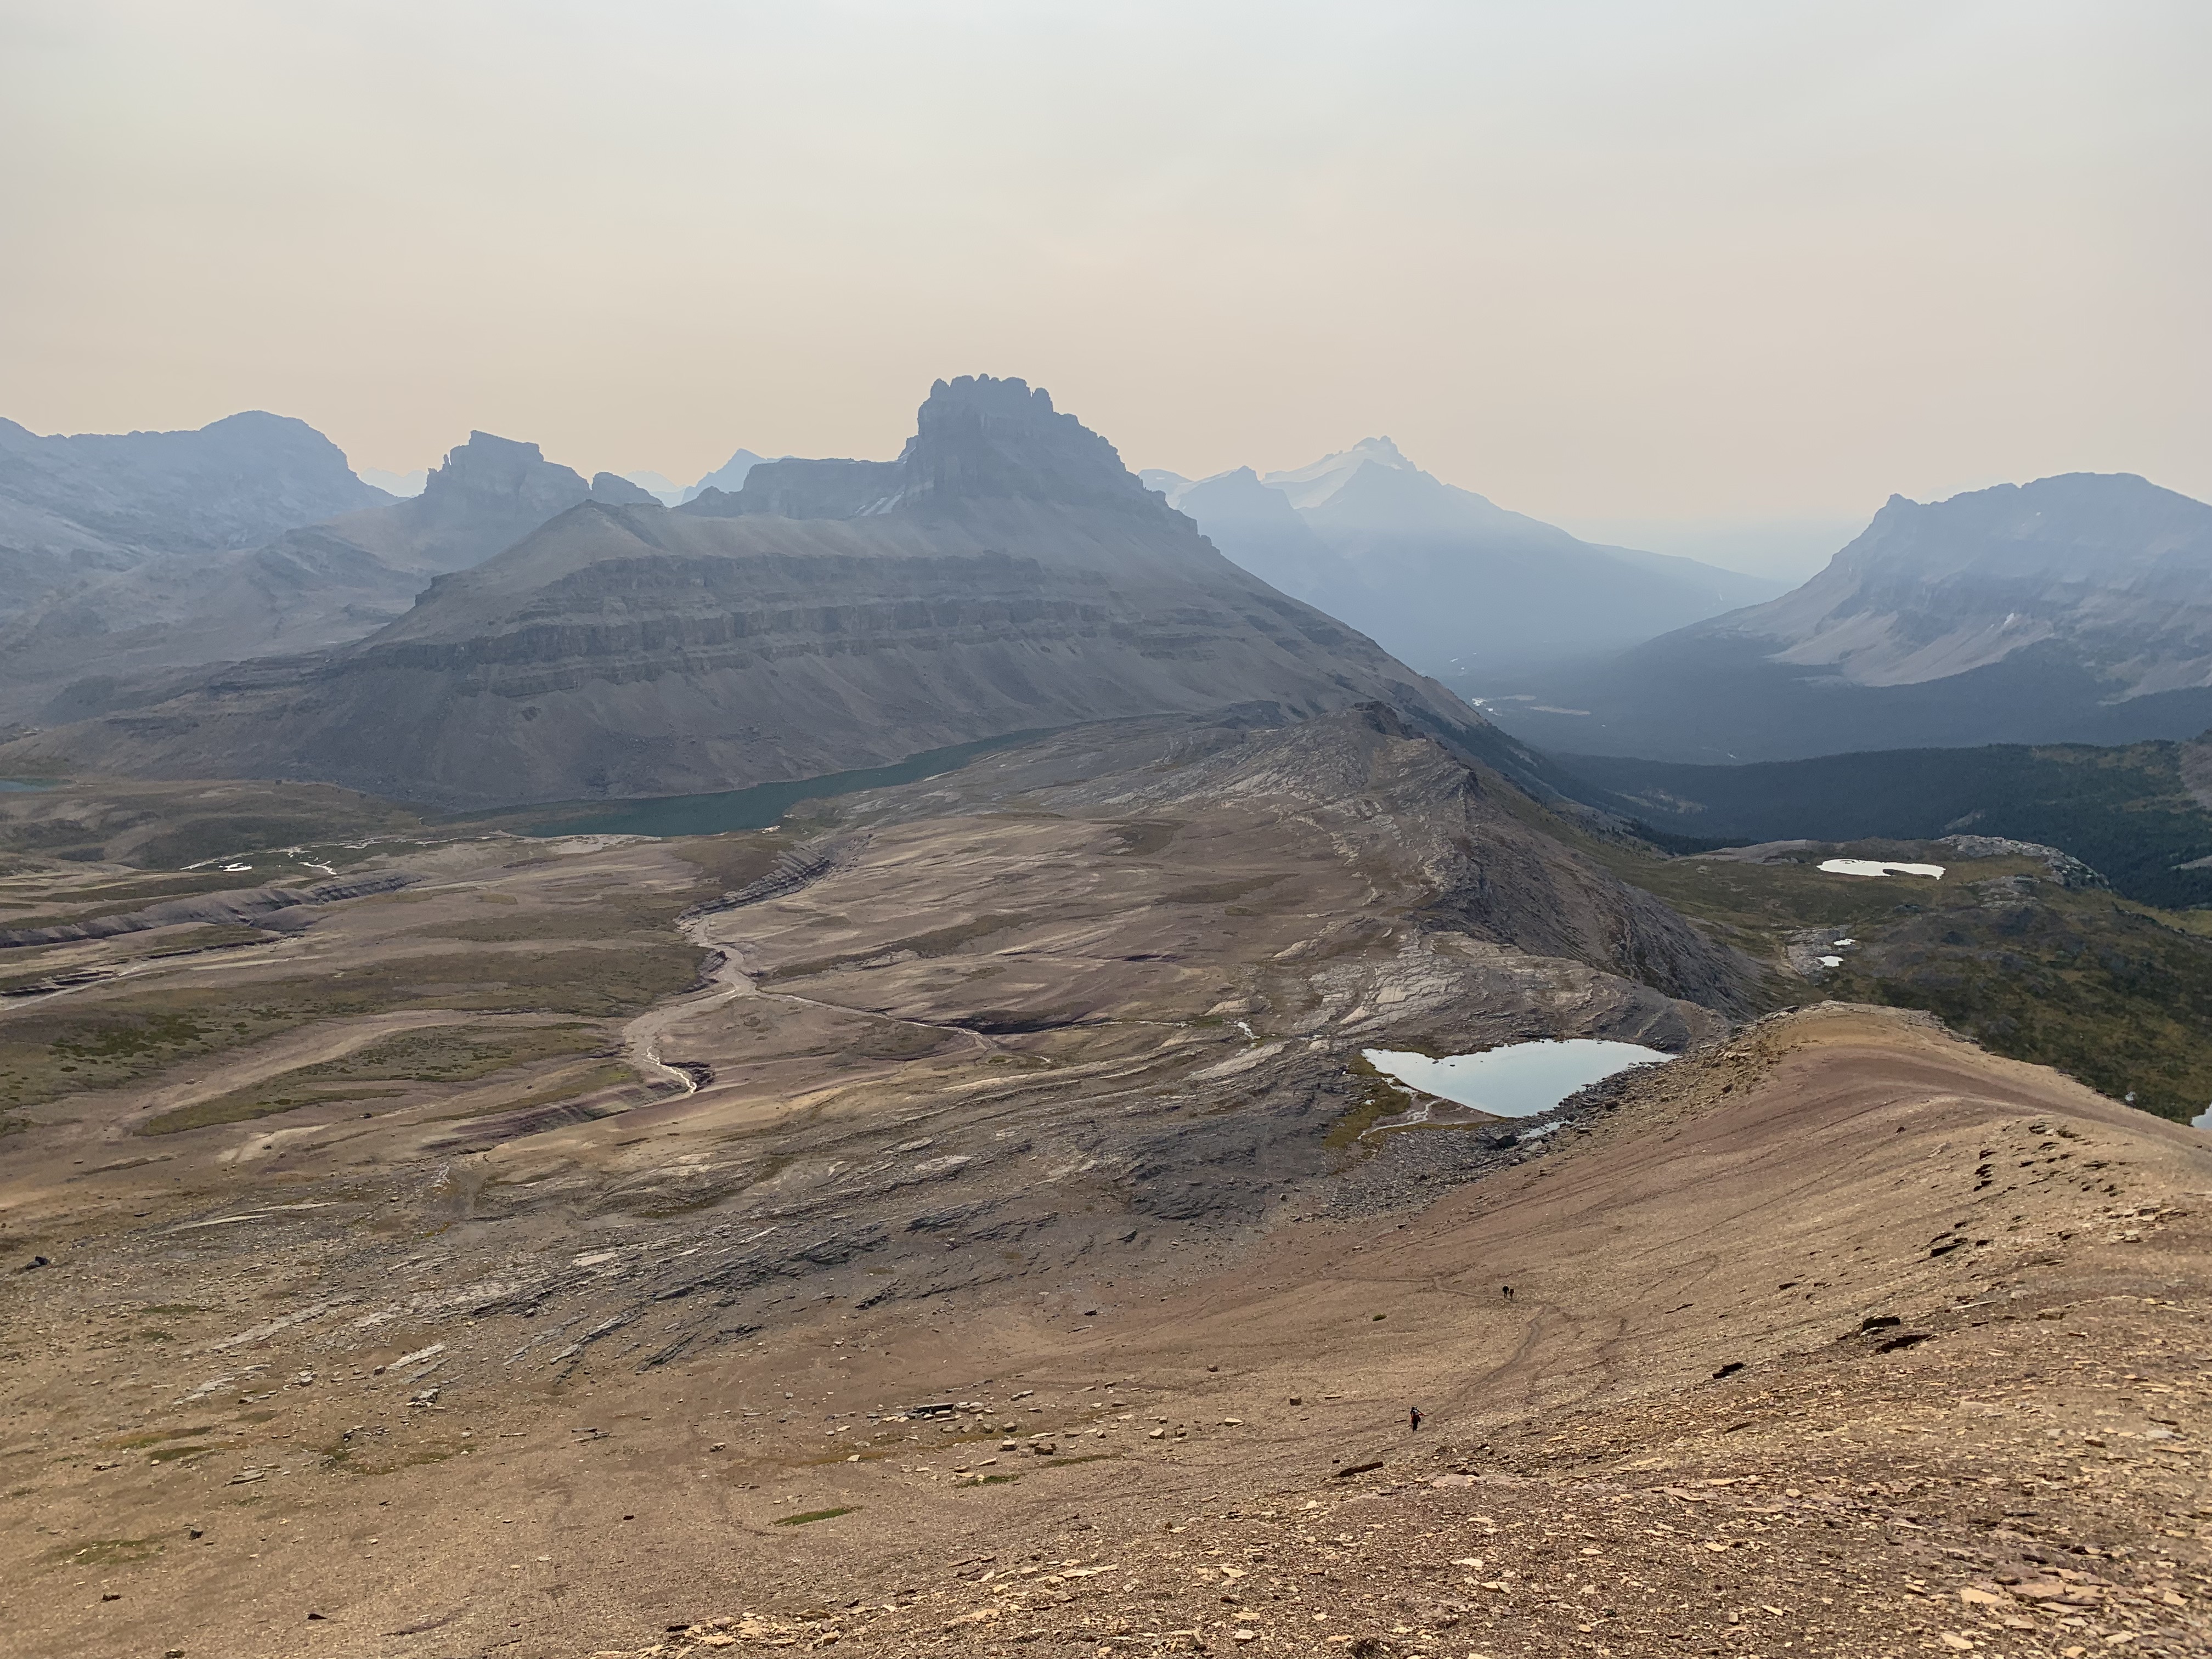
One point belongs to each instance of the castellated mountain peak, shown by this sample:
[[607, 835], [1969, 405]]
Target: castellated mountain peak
[[976, 439]]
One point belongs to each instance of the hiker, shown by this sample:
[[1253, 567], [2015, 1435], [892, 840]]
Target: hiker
[[1413, 1414]]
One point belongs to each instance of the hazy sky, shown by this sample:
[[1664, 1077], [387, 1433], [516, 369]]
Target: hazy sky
[[1635, 261]]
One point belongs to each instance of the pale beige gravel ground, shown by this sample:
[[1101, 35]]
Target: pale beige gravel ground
[[1885, 1502]]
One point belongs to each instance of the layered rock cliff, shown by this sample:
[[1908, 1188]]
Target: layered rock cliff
[[1006, 573]]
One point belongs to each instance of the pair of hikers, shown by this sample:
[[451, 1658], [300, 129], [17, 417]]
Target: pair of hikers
[[1414, 1412]]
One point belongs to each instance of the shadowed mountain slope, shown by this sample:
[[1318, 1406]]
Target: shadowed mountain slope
[[1445, 578], [321, 584], [2076, 609], [1005, 574], [233, 482], [730, 476], [73, 509]]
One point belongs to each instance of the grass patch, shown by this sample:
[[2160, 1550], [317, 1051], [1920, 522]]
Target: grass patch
[[136, 1442], [82, 1043], [1374, 1097], [457, 1054], [350, 1459], [171, 1454], [1141, 837], [107, 1552], [513, 924], [939, 942], [1220, 892], [211, 937], [439, 1054], [246, 833], [735, 859], [812, 1515], [565, 1085], [164, 825], [245, 1105], [2086, 985], [2114, 992]]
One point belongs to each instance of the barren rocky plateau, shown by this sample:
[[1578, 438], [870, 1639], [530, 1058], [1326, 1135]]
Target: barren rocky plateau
[[957, 1222]]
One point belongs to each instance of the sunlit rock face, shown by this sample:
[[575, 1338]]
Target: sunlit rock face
[[2110, 565]]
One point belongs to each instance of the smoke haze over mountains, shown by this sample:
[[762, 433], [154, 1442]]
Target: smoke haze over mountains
[[764, 987], [1729, 263]]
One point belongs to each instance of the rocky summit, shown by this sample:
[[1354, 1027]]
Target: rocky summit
[[1005, 574], [2076, 609], [1447, 578], [321, 561]]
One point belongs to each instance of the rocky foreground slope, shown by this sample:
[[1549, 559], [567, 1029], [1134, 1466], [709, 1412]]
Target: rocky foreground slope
[[1005, 574], [1844, 1340], [961, 1222]]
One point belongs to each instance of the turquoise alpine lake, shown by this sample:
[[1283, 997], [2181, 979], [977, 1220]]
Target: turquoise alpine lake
[[758, 807], [1518, 1080]]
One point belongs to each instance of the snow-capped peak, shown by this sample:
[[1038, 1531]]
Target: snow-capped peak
[[1310, 486]]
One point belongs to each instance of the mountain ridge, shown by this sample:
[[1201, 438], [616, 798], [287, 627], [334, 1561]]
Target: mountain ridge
[[313, 585], [1006, 573], [1449, 580], [231, 483], [2075, 608]]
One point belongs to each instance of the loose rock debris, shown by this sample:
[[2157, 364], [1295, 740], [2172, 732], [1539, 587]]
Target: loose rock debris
[[1585, 1483]]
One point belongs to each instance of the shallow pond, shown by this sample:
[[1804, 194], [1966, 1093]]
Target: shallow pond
[[8, 784], [1518, 1080]]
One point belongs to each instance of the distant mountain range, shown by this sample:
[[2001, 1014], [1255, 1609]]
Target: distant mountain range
[[75, 509], [1006, 573], [2073, 609], [398, 484], [1456, 585], [730, 476], [251, 554]]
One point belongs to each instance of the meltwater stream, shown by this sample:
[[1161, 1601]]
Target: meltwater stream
[[1518, 1080]]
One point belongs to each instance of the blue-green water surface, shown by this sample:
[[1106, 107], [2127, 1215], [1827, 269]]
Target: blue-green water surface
[[1520, 1079]]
